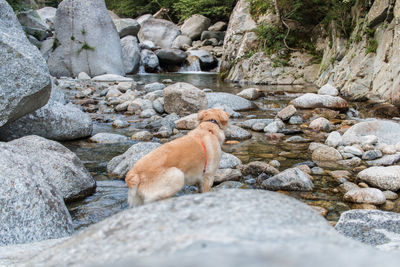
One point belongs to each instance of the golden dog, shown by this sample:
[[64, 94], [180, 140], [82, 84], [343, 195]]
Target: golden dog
[[189, 160]]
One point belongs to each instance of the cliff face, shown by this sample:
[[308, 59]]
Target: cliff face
[[365, 65]]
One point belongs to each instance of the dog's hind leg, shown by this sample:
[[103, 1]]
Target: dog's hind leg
[[134, 199]]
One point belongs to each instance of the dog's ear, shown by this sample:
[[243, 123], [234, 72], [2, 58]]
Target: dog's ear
[[201, 115], [223, 117]]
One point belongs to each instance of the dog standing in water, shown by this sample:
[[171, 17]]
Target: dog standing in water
[[189, 160]]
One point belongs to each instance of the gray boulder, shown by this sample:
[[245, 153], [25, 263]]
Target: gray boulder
[[33, 25], [47, 15], [388, 132], [171, 56], [126, 27], [372, 227], [207, 61], [119, 166], [87, 41], [229, 161], [108, 138], [219, 35], [161, 32], [310, 100], [24, 76], [130, 54], [181, 41], [386, 160], [143, 18], [290, 179], [328, 89], [386, 178], [194, 26], [365, 195], [150, 60], [152, 87], [32, 209], [236, 133], [184, 99], [235, 102]]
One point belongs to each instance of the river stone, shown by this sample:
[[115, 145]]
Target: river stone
[[184, 99], [119, 166], [149, 60], [248, 124], [151, 87], [32, 208], [126, 27], [24, 77], [250, 93], [233, 132], [274, 127], [161, 32], [334, 139], [195, 25], [130, 54], [83, 47], [326, 157], [311, 100], [171, 56], [207, 60], [187, 123], [373, 227], [33, 24], [235, 102], [365, 196], [388, 132], [219, 35], [181, 41], [229, 161], [354, 150], [328, 89], [286, 113], [111, 78], [320, 124], [386, 178], [108, 138], [223, 175], [292, 179], [256, 168], [385, 160]]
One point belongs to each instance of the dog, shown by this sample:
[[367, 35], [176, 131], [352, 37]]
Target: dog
[[189, 160]]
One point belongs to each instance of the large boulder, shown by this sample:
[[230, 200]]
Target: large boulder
[[388, 132], [184, 99], [181, 41], [130, 54], [87, 40], [65, 170], [386, 178], [24, 77], [207, 60], [194, 26], [311, 100], [126, 27], [225, 228], [171, 56], [150, 60], [32, 209], [161, 32], [235, 102]]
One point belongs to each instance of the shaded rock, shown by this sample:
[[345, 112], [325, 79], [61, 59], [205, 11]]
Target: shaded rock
[[365, 195], [33, 25], [320, 124], [24, 76], [143, 18], [328, 89], [378, 12], [386, 178], [207, 60], [218, 26], [126, 27], [219, 35], [171, 56], [326, 157], [386, 131], [286, 113], [228, 185], [235, 102], [310, 100], [256, 168], [390, 195], [149, 60], [290, 179], [108, 138], [95, 50], [236, 133], [130, 54], [223, 175], [250, 93], [184, 99], [385, 160], [161, 32], [229, 161], [195, 25]]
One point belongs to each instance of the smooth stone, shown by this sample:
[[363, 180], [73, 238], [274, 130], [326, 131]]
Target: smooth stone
[[317, 171], [83, 76], [386, 178], [187, 123], [274, 127], [320, 124], [353, 150], [161, 32], [309, 100], [334, 139], [372, 154], [223, 175], [120, 124], [111, 78], [290, 179], [142, 136], [286, 113], [255, 168], [328, 89], [130, 54], [126, 26], [171, 56], [348, 186], [235, 102], [229, 161], [385, 160], [326, 157], [250, 93], [248, 124], [195, 25], [390, 195], [149, 60], [233, 132], [365, 195], [151, 87], [387, 132], [108, 138]]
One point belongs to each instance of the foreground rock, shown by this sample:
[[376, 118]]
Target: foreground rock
[[291, 179], [83, 47], [310, 100], [161, 32], [373, 227], [184, 99], [32, 208], [258, 224], [24, 76], [235, 102], [386, 131], [386, 178]]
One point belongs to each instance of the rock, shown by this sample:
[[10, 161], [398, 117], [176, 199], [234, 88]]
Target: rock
[[111, 78], [47, 15], [32, 208], [161, 32], [148, 113], [365, 195], [158, 105], [120, 124], [274, 127], [149, 60], [310, 100], [125, 86], [378, 13], [385, 160], [286, 113], [120, 165], [108, 138], [372, 227], [320, 124], [256, 168], [143, 18], [187, 123], [386, 178], [297, 139], [291, 179], [353, 150], [142, 136], [181, 41], [390, 195], [33, 25], [328, 89], [347, 186], [83, 76], [218, 26], [126, 27], [194, 26], [236, 133], [219, 35], [237, 103], [130, 54], [82, 47], [326, 157], [229, 161], [63, 168], [296, 120], [24, 77], [152, 87], [334, 139], [54, 121], [250, 93], [171, 56], [207, 60], [184, 99], [223, 175], [386, 131]]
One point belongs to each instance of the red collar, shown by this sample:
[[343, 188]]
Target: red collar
[[205, 152]]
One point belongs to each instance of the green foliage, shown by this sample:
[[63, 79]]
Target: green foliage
[[259, 7], [369, 32], [85, 46], [270, 37], [372, 46], [18, 5]]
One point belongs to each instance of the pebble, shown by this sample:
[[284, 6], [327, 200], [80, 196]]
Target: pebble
[[120, 124]]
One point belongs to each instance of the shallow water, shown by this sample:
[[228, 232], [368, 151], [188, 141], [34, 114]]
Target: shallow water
[[110, 196]]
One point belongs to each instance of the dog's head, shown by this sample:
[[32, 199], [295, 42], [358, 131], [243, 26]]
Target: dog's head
[[214, 115]]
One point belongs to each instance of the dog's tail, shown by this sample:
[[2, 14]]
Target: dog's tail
[[132, 180]]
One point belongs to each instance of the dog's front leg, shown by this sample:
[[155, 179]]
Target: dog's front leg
[[208, 181]]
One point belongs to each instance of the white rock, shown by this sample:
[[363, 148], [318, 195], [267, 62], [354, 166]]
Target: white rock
[[328, 89]]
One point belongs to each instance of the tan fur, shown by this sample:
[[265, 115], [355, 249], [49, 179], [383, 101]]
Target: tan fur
[[164, 171]]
